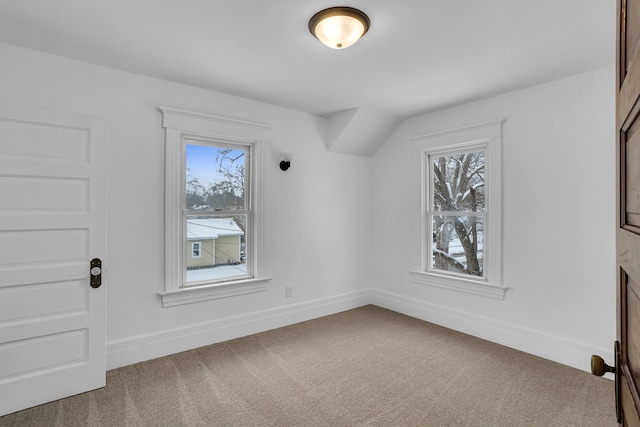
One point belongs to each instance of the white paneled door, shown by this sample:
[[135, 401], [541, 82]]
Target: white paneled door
[[52, 224]]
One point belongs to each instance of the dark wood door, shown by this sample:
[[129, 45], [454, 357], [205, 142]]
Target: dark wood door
[[628, 206]]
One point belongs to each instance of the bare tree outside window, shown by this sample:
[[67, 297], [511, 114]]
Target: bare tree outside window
[[457, 212], [216, 211], [218, 185]]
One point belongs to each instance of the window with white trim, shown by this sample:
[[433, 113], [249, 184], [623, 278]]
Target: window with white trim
[[462, 209], [195, 250], [213, 181]]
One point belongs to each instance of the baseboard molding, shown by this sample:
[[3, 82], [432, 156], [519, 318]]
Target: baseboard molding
[[145, 347], [547, 346]]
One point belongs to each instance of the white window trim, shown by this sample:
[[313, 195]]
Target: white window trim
[[489, 135], [179, 124]]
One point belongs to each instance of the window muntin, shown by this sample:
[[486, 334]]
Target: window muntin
[[456, 212], [216, 210]]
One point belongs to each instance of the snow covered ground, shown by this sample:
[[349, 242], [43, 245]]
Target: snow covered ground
[[215, 273]]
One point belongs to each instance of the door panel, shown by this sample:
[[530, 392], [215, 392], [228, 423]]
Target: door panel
[[43, 300], [632, 181], [53, 350], [44, 140], [628, 82], [628, 207], [52, 223], [632, 21], [630, 325], [627, 402]]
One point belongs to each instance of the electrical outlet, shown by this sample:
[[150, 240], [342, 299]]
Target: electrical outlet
[[288, 291]]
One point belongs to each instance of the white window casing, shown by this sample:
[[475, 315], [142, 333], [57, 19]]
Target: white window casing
[[485, 136], [179, 125]]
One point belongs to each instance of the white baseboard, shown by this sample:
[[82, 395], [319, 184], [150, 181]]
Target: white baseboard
[[145, 347], [538, 343]]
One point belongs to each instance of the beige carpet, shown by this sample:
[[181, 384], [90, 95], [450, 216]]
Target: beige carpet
[[367, 366]]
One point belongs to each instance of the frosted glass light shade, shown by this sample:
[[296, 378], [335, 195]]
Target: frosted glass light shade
[[339, 27]]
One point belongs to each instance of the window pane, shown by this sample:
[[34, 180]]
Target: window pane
[[215, 178], [222, 249], [458, 182], [195, 250], [458, 244]]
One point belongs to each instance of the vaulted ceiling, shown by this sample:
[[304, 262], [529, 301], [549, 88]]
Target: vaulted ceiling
[[418, 56]]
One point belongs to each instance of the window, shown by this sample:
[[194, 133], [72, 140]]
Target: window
[[456, 211], [195, 250], [461, 200], [217, 210], [213, 237]]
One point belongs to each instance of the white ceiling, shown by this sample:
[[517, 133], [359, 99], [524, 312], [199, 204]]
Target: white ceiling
[[418, 56]]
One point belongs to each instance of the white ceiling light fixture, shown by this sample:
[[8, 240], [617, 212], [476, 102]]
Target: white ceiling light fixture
[[339, 27]]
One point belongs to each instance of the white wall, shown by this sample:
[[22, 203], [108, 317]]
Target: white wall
[[558, 221], [316, 214], [339, 225]]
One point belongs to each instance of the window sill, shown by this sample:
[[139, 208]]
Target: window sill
[[459, 284], [210, 292]]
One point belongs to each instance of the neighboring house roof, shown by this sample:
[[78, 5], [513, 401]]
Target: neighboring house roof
[[212, 228]]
